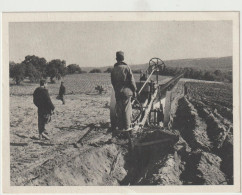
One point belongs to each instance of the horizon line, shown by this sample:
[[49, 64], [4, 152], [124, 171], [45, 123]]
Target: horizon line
[[161, 59]]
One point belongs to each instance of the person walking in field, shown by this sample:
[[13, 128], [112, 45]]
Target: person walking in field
[[124, 87], [62, 92], [45, 107]]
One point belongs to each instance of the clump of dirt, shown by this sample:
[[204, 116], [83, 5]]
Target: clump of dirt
[[163, 171], [191, 126], [226, 154], [174, 163], [203, 168], [211, 159], [94, 166], [217, 128], [157, 159], [219, 131]]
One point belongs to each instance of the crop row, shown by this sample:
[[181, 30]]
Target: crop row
[[217, 97], [219, 93]]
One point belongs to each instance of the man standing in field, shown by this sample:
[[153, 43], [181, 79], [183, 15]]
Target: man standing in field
[[45, 108], [124, 86], [62, 92]]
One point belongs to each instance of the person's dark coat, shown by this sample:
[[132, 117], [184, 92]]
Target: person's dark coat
[[62, 90], [42, 101]]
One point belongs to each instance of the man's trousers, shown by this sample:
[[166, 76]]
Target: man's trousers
[[124, 113]]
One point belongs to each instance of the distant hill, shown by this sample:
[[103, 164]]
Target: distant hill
[[222, 63]]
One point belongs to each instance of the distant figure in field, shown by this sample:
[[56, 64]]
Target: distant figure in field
[[124, 86], [100, 89], [62, 92], [143, 77], [45, 108]]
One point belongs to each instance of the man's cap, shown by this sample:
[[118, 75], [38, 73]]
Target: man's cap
[[42, 81], [120, 55], [62, 81]]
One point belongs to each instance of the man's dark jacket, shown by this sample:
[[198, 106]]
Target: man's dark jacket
[[42, 100], [62, 90], [123, 81]]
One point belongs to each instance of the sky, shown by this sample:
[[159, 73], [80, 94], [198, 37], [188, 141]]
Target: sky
[[95, 43]]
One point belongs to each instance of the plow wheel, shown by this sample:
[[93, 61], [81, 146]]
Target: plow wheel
[[156, 64], [137, 110]]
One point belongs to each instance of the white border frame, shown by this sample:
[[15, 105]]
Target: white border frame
[[119, 16]]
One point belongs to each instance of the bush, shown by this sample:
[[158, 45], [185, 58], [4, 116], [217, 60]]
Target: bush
[[56, 69], [136, 71], [17, 72], [32, 73], [35, 63], [95, 70], [109, 70], [73, 68]]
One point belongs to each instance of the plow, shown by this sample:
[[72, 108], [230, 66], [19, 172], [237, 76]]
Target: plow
[[151, 108]]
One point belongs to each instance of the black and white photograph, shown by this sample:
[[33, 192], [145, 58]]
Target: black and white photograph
[[119, 102]]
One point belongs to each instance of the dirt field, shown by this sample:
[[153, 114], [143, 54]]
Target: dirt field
[[198, 118], [202, 138], [75, 84]]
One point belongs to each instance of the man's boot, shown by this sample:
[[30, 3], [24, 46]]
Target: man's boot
[[45, 132], [45, 136]]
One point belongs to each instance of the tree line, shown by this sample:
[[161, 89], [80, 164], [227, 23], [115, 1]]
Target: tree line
[[192, 73], [34, 68], [208, 75]]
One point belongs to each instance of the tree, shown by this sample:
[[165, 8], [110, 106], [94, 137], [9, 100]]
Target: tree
[[73, 68], [17, 72], [95, 70], [56, 69], [196, 74], [208, 76], [188, 72], [163, 71], [32, 73], [38, 63], [219, 75], [109, 70], [218, 72], [11, 66]]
